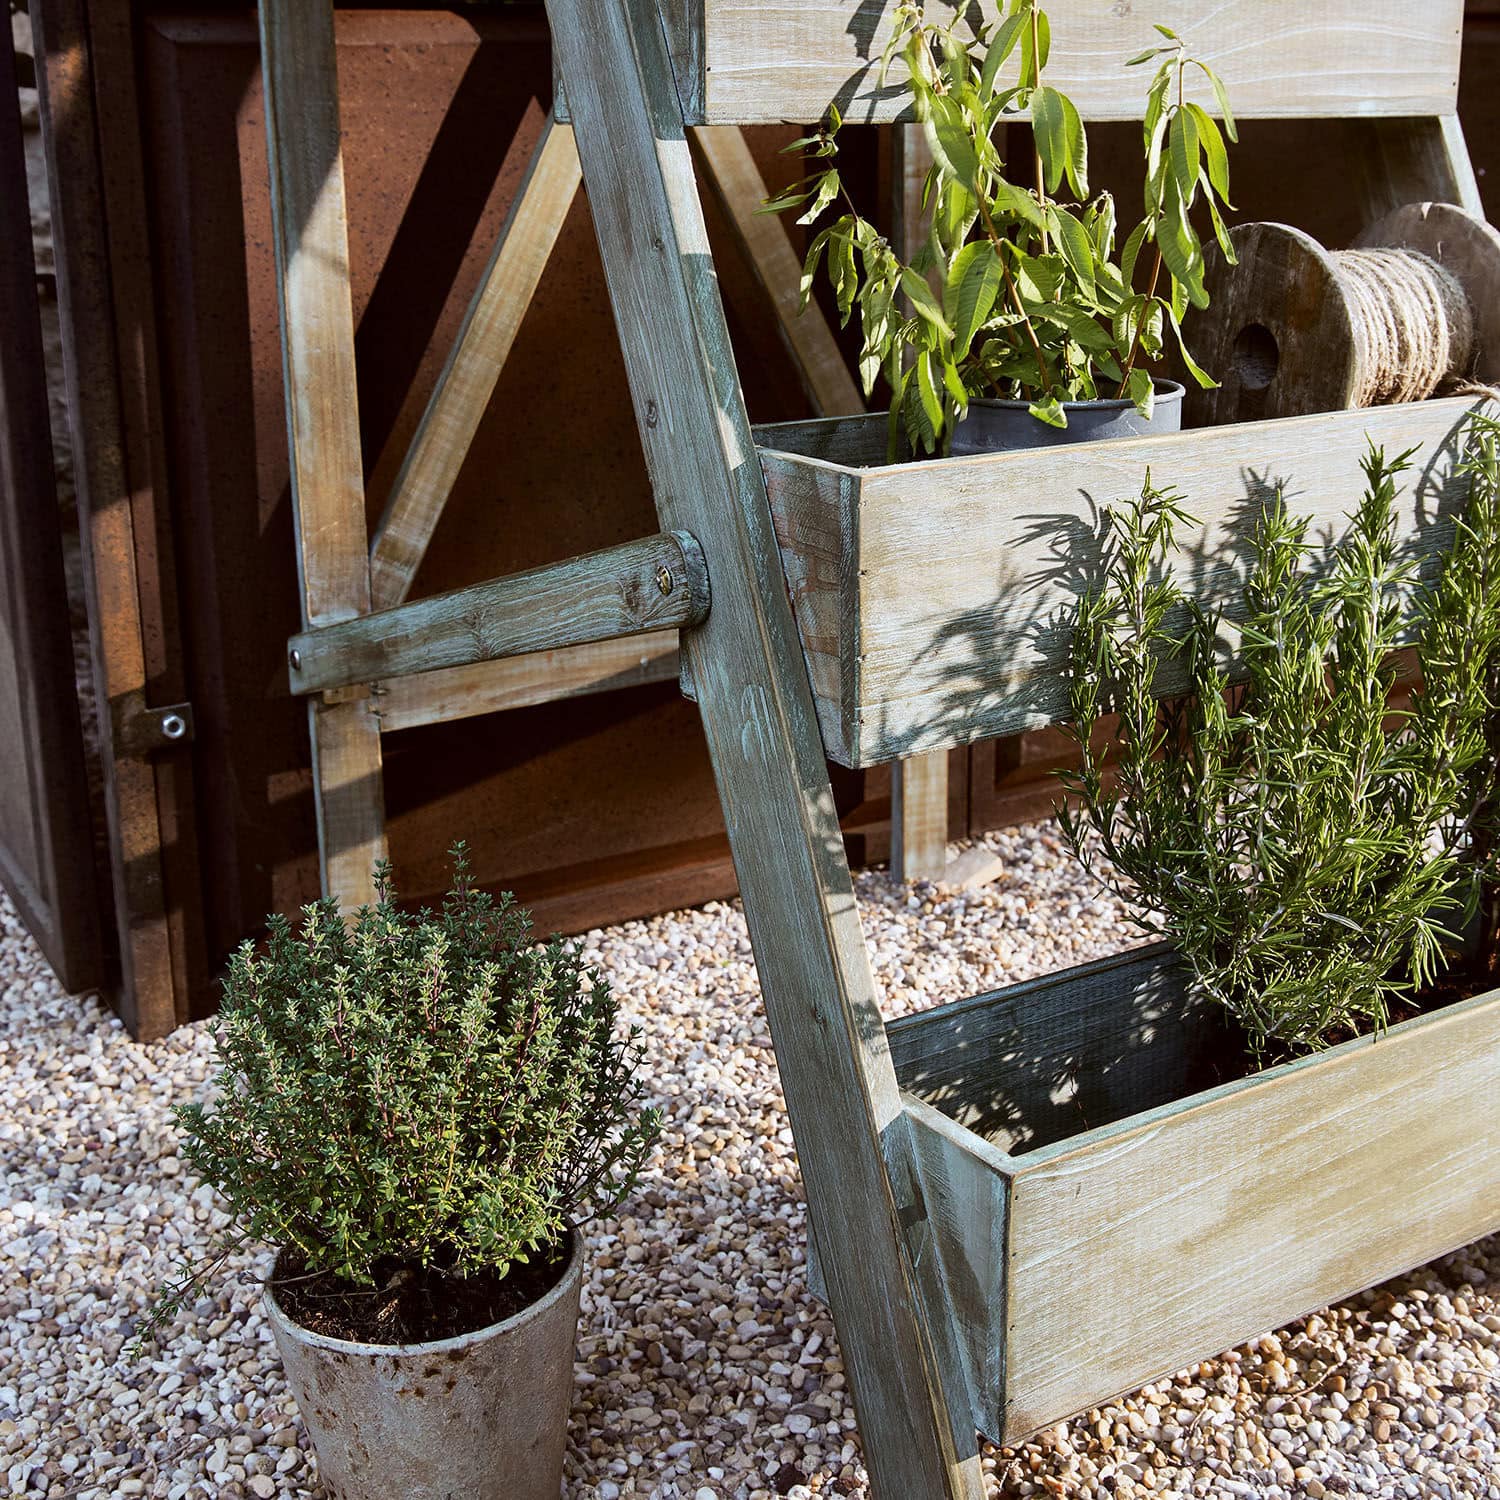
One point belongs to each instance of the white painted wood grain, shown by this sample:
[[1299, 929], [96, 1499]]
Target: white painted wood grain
[[786, 59]]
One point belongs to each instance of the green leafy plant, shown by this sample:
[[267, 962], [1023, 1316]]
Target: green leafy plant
[[1034, 301], [432, 1090], [1310, 850]]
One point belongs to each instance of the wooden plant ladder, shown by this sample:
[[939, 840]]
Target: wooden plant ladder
[[635, 82]]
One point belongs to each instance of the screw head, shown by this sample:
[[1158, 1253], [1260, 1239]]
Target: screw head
[[664, 579], [173, 726], [295, 657]]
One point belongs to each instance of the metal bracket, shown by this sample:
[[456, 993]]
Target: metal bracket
[[141, 730]]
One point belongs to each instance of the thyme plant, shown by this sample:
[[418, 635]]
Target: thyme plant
[[419, 1089], [1310, 851], [1034, 301]]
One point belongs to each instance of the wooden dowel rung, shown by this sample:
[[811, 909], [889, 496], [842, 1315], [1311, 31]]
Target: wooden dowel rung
[[652, 584]]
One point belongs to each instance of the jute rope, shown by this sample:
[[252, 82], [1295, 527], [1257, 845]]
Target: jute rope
[[1413, 325]]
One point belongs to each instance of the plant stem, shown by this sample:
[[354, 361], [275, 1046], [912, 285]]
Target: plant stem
[[1135, 342], [1140, 323], [1036, 65], [1014, 290]]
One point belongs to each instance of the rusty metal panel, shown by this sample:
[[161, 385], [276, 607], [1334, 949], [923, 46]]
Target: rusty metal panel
[[46, 843]]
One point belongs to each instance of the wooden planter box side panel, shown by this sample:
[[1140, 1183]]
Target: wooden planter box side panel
[[747, 60], [815, 520], [959, 577], [1185, 1233], [1173, 1228]]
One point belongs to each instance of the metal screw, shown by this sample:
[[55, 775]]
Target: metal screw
[[664, 579], [296, 661], [173, 726]]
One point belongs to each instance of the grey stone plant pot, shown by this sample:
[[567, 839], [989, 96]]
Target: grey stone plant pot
[[479, 1417], [1000, 426]]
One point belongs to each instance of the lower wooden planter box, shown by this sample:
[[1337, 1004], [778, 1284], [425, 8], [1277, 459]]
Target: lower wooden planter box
[[1099, 1211], [933, 597]]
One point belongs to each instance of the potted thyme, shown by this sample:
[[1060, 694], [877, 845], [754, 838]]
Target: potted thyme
[[1022, 322], [1316, 856], [416, 1109]]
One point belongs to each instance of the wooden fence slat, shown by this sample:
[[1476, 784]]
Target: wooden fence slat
[[468, 379], [622, 591], [327, 477]]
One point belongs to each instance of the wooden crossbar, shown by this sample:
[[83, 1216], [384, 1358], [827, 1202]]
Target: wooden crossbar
[[486, 687], [621, 591]]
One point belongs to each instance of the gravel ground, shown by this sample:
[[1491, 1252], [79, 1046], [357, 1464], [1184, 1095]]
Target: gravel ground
[[705, 1370]]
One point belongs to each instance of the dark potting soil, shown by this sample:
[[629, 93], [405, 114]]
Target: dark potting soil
[[412, 1304]]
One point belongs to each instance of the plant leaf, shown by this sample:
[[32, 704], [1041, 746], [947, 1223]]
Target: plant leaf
[[1215, 156], [974, 281], [1049, 123], [1183, 149]]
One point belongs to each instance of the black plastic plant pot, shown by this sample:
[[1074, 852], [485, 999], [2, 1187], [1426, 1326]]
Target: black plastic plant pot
[[1002, 426]]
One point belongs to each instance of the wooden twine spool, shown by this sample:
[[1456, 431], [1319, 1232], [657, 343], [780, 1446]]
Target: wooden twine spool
[[1295, 328]]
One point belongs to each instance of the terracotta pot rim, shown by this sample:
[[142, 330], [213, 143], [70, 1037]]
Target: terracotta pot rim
[[572, 1272], [1170, 390]]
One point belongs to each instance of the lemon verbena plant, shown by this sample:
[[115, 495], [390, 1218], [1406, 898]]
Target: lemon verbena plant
[[1034, 299], [415, 1089], [1312, 851]]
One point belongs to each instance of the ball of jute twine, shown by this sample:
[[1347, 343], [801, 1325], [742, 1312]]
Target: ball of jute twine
[[1413, 325]]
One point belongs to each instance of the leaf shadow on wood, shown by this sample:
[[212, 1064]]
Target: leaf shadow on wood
[[1042, 1061], [999, 667]]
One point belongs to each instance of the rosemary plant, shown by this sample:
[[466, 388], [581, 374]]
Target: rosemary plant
[[1310, 851], [418, 1089], [1034, 300]]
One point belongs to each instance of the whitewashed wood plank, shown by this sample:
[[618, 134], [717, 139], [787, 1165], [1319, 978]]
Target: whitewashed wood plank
[[758, 718], [1203, 1224], [786, 59], [468, 379], [520, 681], [964, 571], [317, 326], [919, 816]]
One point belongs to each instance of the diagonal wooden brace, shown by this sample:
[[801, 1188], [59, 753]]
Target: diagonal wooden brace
[[640, 586]]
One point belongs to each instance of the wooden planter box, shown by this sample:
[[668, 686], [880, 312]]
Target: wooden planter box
[[934, 598], [1103, 1213]]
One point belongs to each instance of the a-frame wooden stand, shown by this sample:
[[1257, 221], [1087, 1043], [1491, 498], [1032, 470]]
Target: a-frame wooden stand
[[915, 1218]]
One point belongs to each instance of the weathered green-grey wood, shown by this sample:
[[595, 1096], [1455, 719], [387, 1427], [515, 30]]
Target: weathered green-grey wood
[[763, 739], [652, 584], [317, 331], [934, 598], [1420, 160], [1146, 1226], [1043, 1060]]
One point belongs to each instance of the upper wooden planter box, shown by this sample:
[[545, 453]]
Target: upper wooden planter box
[[742, 61], [934, 598]]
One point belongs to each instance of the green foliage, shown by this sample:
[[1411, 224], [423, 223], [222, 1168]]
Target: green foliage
[[429, 1087], [1309, 851], [1035, 300]]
